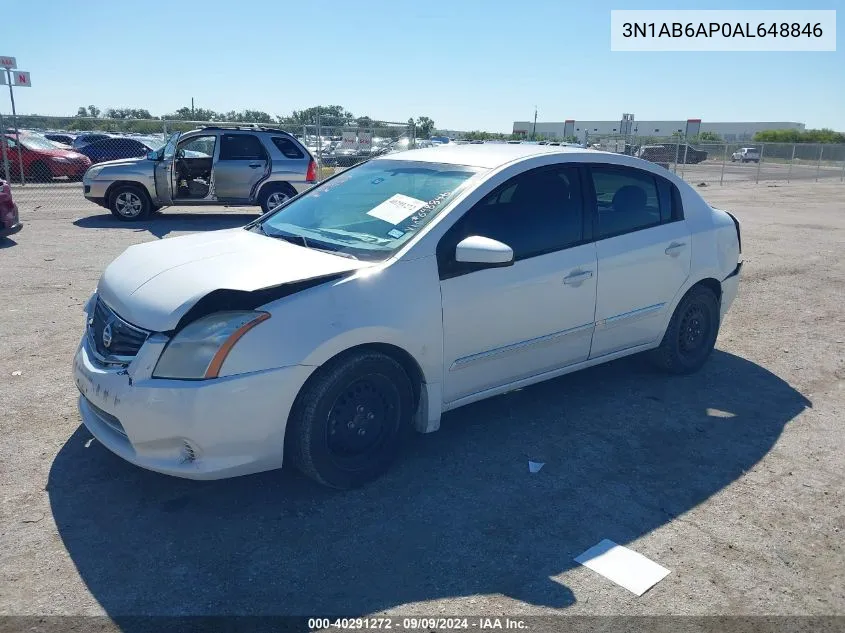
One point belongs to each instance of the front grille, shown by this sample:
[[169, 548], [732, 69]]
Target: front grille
[[106, 418], [124, 339]]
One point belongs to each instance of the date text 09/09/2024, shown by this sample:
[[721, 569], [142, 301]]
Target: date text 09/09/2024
[[720, 29], [412, 623]]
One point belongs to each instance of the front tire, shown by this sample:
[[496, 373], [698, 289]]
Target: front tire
[[351, 420], [129, 203], [40, 172], [691, 334]]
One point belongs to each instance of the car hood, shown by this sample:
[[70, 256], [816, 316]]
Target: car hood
[[153, 285], [121, 162], [62, 153]]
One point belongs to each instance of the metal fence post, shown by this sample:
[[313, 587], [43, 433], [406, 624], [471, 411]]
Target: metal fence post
[[819, 164], [724, 160], [319, 137], [686, 149], [5, 157], [791, 160], [759, 162], [842, 177], [677, 149]]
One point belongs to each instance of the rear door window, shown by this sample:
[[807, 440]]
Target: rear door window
[[241, 147]]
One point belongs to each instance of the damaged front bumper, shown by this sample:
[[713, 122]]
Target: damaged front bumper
[[203, 429]]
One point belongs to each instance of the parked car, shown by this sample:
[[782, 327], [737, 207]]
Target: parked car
[[115, 149], [670, 152], [253, 166], [746, 155], [9, 220], [43, 159], [61, 138], [326, 331], [90, 137]]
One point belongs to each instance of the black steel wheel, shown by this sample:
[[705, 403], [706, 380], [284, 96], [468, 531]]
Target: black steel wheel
[[691, 334], [351, 419]]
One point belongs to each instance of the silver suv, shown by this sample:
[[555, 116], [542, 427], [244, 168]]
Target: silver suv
[[240, 166]]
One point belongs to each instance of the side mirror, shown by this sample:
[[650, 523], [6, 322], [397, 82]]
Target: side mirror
[[476, 249]]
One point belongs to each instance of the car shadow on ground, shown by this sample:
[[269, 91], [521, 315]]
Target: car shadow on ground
[[7, 242], [625, 449], [162, 224]]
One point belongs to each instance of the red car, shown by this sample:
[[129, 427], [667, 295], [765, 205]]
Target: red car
[[9, 222], [43, 159]]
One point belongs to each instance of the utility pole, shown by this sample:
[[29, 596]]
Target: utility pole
[[534, 131], [192, 108]]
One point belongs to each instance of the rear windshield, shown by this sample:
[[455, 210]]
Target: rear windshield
[[369, 211]]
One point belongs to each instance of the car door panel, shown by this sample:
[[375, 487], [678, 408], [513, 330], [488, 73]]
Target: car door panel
[[644, 256], [504, 324], [242, 164], [637, 280], [507, 323]]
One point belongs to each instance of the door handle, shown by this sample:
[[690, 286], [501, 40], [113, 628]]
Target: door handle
[[254, 165], [674, 249], [577, 278]]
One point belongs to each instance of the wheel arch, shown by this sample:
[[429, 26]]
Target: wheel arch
[[269, 185], [422, 398], [122, 183]]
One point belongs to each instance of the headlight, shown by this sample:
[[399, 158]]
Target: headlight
[[59, 159], [93, 172], [198, 350]]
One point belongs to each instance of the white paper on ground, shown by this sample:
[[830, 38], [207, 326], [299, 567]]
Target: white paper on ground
[[534, 467], [623, 566], [396, 208]]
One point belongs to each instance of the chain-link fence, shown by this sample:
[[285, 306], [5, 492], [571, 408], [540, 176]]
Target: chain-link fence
[[46, 157], [723, 163]]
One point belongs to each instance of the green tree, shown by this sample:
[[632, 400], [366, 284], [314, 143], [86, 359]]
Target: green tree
[[93, 111], [82, 111], [823, 135], [709, 137], [425, 126]]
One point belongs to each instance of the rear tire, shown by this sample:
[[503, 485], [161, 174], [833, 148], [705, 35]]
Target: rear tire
[[275, 194], [691, 334], [351, 420], [129, 203]]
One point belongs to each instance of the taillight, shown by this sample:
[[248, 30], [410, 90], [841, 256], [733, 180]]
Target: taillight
[[311, 176]]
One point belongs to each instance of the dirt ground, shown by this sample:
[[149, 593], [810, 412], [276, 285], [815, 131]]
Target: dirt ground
[[732, 478]]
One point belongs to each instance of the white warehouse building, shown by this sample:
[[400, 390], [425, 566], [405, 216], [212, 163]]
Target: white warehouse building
[[727, 131]]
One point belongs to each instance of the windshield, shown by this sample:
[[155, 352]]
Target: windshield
[[369, 211], [168, 150], [31, 141]]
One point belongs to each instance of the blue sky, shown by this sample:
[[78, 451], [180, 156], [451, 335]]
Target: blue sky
[[468, 64]]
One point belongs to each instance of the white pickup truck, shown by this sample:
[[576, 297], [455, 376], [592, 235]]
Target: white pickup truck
[[746, 155]]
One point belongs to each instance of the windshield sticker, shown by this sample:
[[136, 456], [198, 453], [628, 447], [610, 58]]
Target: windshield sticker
[[395, 233], [397, 208]]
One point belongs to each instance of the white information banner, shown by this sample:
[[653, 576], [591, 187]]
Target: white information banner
[[365, 141], [8, 62], [711, 30], [348, 140]]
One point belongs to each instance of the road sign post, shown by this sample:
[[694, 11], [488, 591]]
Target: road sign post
[[21, 79], [15, 123]]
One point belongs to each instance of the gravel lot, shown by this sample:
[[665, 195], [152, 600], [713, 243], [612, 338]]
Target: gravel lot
[[732, 478]]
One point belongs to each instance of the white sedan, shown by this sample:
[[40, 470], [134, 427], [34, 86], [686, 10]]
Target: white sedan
[[327, 331]]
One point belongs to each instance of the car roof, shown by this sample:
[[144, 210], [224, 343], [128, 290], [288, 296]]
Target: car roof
[[487, 155]]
